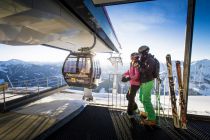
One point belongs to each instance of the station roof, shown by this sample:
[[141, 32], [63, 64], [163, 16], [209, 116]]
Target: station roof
[[62, 24]]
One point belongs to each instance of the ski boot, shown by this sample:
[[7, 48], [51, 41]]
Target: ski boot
[[89, 98], [148, 122], [143, 115]]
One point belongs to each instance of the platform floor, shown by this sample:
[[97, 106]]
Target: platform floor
[[64, 116], [40, 118], [23, 126], [102, 123]]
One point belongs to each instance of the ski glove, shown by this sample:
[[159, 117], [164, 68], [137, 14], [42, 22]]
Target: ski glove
[[125, 79]]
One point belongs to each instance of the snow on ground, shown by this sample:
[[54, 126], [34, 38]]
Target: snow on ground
[[199, 105], [9, 96], [196, 104], [18, 92], [58, 106]]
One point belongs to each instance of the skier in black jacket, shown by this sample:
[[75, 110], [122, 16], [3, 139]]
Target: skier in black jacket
[[147, 66]]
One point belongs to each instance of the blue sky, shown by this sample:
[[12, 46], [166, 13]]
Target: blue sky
[[201, 40], [159, 24]]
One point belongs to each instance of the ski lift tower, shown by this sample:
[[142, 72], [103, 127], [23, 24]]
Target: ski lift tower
[[115, 59]]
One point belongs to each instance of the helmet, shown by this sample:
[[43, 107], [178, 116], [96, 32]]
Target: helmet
[[135, 55], [143, 49]]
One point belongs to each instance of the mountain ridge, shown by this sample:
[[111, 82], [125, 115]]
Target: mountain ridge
[[18, 70]]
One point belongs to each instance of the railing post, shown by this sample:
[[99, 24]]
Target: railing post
[[26, 84], [116, 94], [38, 87], [3, 87], [164, 91], [112, 95], [58, 84], [108, 90], [121, 91], [61, 81], [47, 82], [124, 96], [4, 99]]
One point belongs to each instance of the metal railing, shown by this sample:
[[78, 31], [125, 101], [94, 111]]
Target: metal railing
[[115, 98], [160, 99], [26, 88]]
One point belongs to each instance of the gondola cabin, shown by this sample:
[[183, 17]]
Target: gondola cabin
[[81, 70]]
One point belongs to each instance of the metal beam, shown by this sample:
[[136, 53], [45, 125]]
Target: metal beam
[[188, 47], [115, 2]]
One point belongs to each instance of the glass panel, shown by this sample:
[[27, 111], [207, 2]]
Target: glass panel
[[98, 70], [81, 64], [94, 69], [199, 86], [70, 65], [102, 19], [84, 65]]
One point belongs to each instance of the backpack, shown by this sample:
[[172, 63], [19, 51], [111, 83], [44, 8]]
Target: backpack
[[156, 69], [154, 72]]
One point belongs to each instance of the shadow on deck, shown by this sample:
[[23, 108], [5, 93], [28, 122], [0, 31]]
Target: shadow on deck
[[106, 124]]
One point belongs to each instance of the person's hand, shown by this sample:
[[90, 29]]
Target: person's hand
[[125, 79]]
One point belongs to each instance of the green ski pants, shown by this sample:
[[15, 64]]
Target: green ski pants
[[145, 99]]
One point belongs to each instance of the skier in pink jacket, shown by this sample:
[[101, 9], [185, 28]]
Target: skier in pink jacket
[[134, 76]]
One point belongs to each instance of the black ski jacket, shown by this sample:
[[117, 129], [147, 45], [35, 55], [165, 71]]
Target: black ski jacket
[[146, 69]]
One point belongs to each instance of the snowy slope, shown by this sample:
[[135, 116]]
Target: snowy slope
[[18, 70], [200, 77]]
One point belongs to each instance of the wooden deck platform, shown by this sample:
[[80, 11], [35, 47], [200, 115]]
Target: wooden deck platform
[[39, 119], [15, 126]]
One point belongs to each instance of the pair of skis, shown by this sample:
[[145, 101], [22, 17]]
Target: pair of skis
[[182, 103], [178, 119]]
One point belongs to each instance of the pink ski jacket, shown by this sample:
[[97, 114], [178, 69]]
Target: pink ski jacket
[[134, 74]]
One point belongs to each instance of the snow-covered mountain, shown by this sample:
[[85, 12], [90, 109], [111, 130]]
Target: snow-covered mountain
[[20, 70], [17, 70], [200, 77]]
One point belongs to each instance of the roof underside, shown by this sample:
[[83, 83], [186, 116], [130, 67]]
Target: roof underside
[[52, 23]]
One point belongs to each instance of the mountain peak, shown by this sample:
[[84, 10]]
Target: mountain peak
[[15, 62]]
